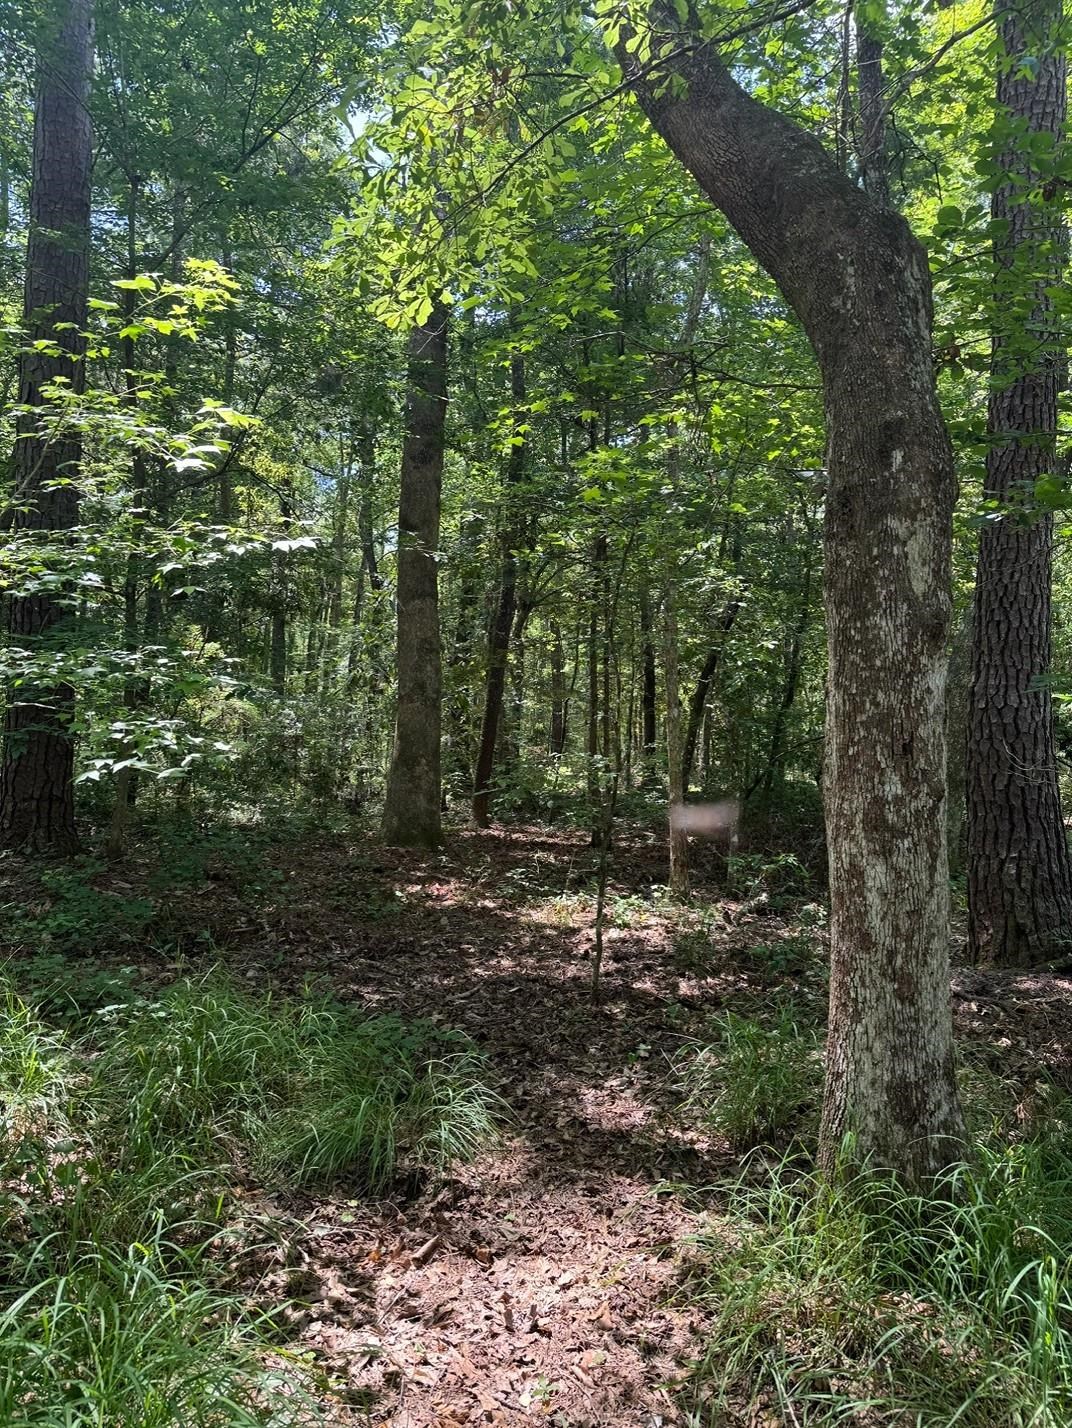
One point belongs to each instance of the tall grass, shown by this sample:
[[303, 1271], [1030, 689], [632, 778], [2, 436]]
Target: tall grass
[[753, 1082], [116, 1152], [307, 1091], [857, 1303]]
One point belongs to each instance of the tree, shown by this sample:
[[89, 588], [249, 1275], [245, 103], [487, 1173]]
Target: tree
[[36, 790], [1019, 874], [503, 621], [411, 816], [857, 279]]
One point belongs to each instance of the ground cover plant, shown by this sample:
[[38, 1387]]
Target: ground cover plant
[[862, 1302], [122, 1141]]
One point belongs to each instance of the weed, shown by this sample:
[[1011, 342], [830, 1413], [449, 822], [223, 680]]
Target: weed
[[132, 1335], [778, 880], [73, 914], [312, 1090], [115, 1155], [750, 1082], [35, 1069], [66, 989]]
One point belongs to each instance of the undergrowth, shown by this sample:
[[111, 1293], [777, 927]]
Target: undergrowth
[[750, 1081], [119, 1142], [857, 1303]]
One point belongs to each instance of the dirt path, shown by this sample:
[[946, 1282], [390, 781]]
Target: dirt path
[[538, 1285], [534, 1285]]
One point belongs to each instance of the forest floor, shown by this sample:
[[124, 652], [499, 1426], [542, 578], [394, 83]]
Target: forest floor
[[547, 1281]]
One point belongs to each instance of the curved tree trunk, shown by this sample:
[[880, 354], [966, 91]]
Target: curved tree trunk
[[858, 280], [412, 809], [1019, 881], [36, 790]]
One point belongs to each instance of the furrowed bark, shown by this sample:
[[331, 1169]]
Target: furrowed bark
[[1019, 878], [36, 790]]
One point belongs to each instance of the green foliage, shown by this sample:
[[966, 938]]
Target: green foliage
[[752, 1083], [110, 1310], [35, 1069], [115, 1150], [74, 915], [777, 879], [311, 1091], [127, 1335], [856, 1302]]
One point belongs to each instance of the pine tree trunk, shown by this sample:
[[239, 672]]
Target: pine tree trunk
[[1019, 881], [412, 808], [36, 789], [859, 283]]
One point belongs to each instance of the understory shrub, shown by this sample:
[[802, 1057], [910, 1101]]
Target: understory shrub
[[858, 1303]]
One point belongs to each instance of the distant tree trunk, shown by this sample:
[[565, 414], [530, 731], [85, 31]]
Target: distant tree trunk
[[36, 791], [649, 735], [859, 282], [1019, 881], [558, 690], [794, 659], [501, 625], [596, 724], [871, 135], [366, 454], [412, 809], [702, 689], [277, 653], [729, 544], [679, 840]]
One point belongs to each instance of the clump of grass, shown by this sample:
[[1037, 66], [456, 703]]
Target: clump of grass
[[309, 1091], [751, 1082], [109, 1309], [135, 1334], [35, 1068], [859, 1303], [115, 1153], [369, 1095]]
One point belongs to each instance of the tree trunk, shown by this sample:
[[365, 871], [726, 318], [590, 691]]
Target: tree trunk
[[596, 760], [958, 690], [1019, 884], [871, 135], [36, 789], [648, 694], [679, 839], [499, 643], [858, 280], [412, 809], [280, 596], [775, 770], [558, 690], [698, 702]]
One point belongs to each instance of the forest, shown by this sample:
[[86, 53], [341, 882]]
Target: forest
[[536, 665]]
